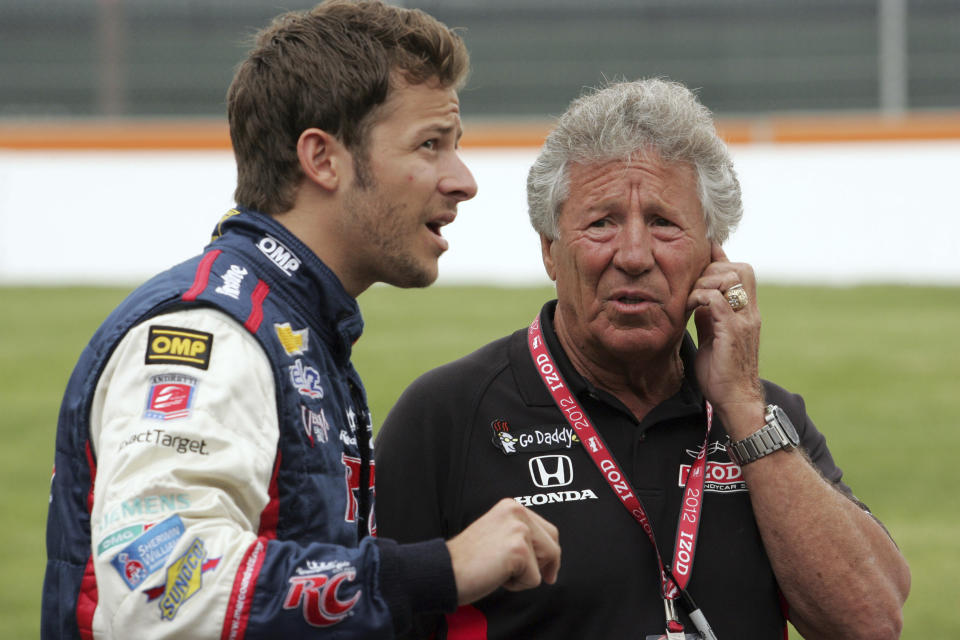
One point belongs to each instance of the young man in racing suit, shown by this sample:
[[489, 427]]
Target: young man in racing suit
[[214, 471]]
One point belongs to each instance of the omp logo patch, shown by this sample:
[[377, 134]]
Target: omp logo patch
[[184, 579], [286, 260], [293, 342], [173, 345]]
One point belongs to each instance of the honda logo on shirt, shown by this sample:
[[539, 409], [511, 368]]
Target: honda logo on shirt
[[551, 471]]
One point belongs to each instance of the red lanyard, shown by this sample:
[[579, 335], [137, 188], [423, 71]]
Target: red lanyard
[[688, 526]]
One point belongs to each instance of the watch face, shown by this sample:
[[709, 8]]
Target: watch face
[[787, 426]]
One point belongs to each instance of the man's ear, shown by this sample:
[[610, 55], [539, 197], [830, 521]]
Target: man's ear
[[323, 158], [546, 250]]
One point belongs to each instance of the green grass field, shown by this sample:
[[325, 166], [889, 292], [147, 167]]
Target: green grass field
[[878, 366]]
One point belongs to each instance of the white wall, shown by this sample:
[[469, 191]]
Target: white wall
[[830, 213]]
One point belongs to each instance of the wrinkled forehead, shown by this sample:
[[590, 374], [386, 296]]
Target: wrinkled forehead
[[648, 172]]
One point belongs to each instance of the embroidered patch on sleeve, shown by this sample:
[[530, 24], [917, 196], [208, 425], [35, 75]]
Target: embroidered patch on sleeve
[[173, 345], [149, 552]]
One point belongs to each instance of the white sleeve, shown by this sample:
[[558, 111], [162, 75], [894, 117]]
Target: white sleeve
[[184, 456]]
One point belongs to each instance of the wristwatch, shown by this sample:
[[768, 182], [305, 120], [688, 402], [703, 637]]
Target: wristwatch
[[778, 433]]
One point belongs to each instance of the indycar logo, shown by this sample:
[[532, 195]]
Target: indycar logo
[[320, 598], [720, 477]]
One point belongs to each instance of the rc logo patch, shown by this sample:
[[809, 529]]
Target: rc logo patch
[[318, 588], [170, 396], [147, 553], [295, 343], [184, 579], [173, 345], [535, 439]]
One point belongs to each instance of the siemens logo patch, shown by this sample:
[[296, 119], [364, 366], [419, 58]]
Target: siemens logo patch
[[173, 345], [285, 259]]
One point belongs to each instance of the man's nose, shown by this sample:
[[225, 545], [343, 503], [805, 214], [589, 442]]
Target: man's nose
[[459, 183], [634, 253]]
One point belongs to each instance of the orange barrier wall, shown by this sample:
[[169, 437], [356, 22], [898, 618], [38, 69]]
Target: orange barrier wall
[[213, 134]]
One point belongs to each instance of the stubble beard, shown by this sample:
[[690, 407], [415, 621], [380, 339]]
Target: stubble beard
[[381, 225]]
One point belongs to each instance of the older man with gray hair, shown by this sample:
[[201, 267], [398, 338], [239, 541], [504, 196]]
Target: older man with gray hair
[[693, 499]]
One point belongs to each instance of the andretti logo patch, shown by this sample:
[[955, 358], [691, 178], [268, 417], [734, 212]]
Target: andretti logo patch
[[173, 345], [170, 396]]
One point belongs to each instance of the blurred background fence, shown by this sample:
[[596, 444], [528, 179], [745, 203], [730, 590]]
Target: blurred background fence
[[843, 117], [123, 58]]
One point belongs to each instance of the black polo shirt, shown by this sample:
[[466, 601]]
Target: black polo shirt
[[484, 427]]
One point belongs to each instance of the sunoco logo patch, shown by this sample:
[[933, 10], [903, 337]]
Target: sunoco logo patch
[[173, 345], [184, 578]]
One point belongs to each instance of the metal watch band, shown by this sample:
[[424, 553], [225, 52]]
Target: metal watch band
[[769, 438]]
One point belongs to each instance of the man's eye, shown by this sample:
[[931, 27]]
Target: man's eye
[[430, 144], [662, 222], [602, 222]]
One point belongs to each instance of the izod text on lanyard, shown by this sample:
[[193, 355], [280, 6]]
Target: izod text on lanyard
[[673, 579]]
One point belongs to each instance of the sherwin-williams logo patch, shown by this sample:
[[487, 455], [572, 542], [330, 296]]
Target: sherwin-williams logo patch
[[173, 345], [295, 343], [184, 578], [147, 553]]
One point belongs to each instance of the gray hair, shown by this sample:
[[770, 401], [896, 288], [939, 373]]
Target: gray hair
[[625, 119]]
